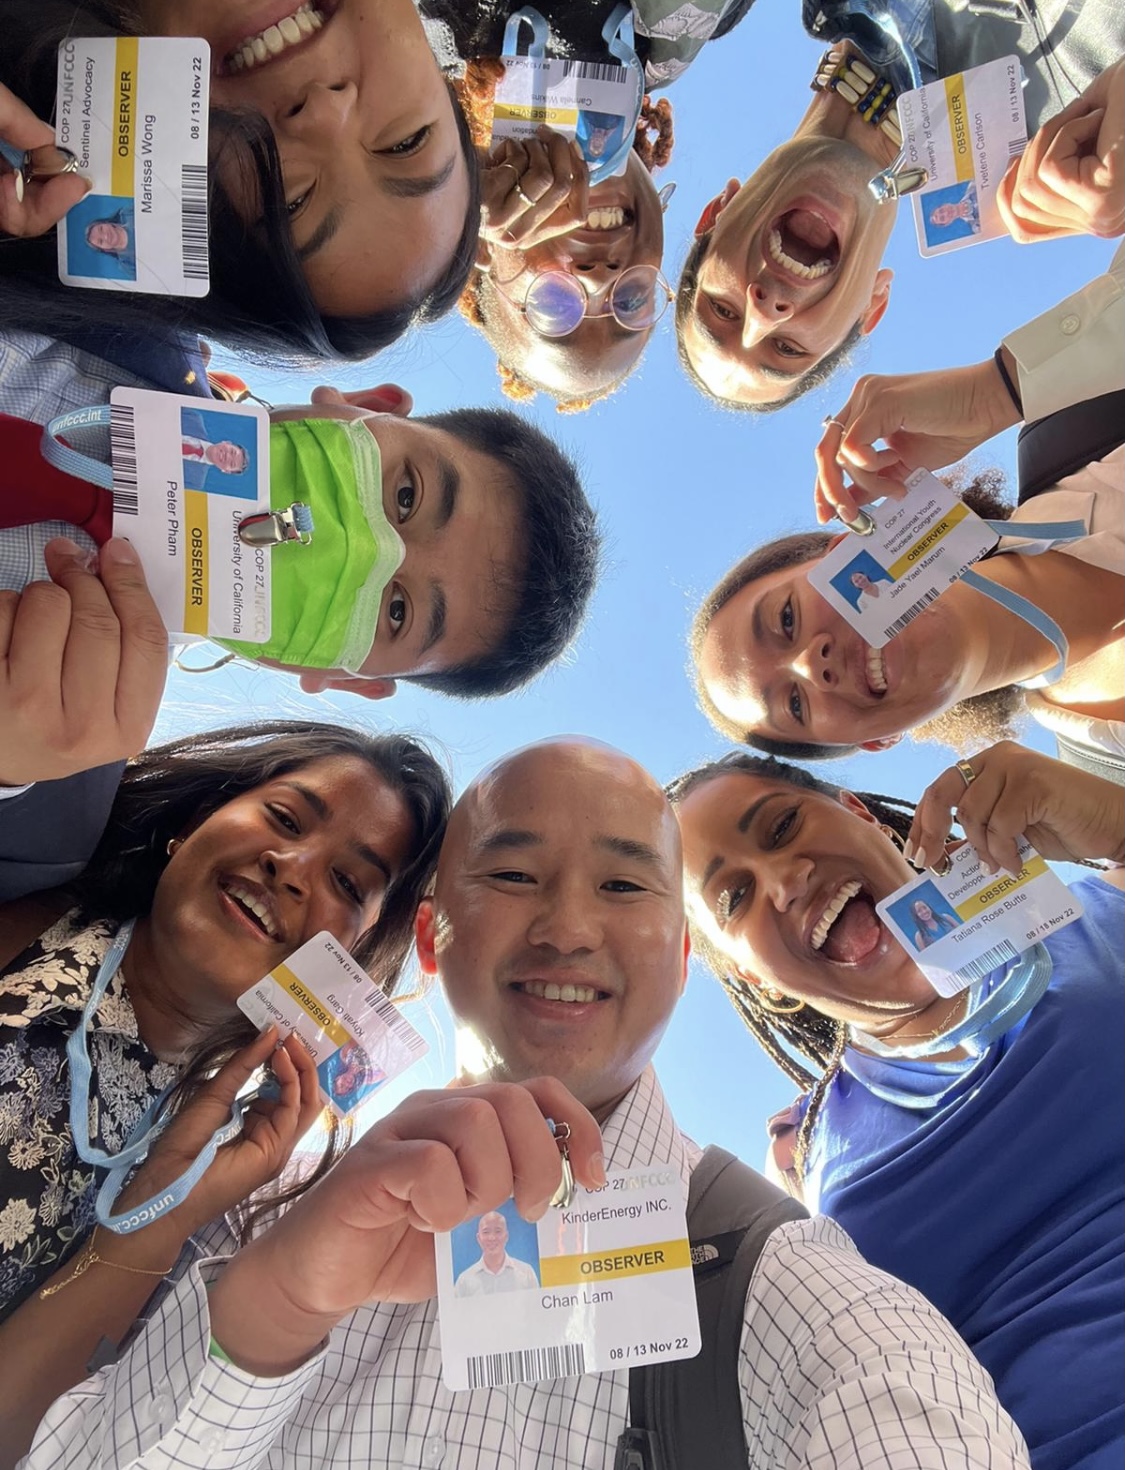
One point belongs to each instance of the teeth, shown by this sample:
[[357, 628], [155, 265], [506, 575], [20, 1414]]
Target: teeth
[[833, 912], [276, 38], [256, 906], [548, 990], [606, 217], [876, 670], [810, 272]]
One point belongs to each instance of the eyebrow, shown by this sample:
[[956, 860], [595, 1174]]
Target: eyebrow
[[775, 374], [435, 630], [509, 837], [450, 479], [324, 812], [629, 847], [417, 187], [320, 237], [743, 824]]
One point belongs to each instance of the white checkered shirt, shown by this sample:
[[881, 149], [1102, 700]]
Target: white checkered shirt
[[841, 1366], [39, 379]]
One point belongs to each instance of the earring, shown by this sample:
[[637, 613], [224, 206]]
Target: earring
[[778, 1004], [898, 840], [665, 197], [173, 845]]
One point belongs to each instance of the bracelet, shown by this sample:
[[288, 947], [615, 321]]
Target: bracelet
[[87, 1257], [1013, 392]]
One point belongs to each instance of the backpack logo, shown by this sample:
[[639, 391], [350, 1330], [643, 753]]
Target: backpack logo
[[703, 1255]]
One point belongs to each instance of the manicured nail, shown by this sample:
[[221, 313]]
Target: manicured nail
[[19, 187], [120, 552], [920, 860], [908, 851]]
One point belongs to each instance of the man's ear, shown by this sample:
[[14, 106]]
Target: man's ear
[[880, 300], [884, 744], [424, 937], [316, 681], [714, 207], [384, 398]]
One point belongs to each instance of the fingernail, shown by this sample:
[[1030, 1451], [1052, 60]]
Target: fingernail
[[597, 1169], [908, 851], [536, 1212], [920, 860], [120, 552], [19, 187], [68, 547]]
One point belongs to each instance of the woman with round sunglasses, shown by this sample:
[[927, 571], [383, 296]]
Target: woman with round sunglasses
[[971, 1145], [343, 182]]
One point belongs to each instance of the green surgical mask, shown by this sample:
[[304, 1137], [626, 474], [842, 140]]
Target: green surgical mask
[[326, 593]]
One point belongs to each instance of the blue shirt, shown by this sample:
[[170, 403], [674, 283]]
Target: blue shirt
[[1005, 1203]]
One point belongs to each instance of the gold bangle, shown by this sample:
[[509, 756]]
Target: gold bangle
[[87, 1257]]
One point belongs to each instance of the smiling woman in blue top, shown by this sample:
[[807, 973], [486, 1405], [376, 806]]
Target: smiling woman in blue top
[[973, 1145]]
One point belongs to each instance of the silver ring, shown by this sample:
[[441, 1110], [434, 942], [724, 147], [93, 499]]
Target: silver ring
[[531, 203], [830, 420]]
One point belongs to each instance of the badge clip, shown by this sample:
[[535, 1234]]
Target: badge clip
[[46, 162], [895, 182], [272, 527], [563, 1196]]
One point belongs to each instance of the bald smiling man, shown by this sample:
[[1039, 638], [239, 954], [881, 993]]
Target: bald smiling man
[[557, 929]]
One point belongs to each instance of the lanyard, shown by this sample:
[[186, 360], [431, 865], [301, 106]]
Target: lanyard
[[149, 1127], [73, 461], [617, 33]]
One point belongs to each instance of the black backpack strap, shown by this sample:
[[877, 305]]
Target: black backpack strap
[[688, 1414], [1062, 443]]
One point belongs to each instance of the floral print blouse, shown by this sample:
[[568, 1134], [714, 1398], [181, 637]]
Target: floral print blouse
[[46, 1192]]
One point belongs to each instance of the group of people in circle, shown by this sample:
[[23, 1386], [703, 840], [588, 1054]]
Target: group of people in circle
[[968, 1146]]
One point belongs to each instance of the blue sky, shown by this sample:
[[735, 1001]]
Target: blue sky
[[683, 490]]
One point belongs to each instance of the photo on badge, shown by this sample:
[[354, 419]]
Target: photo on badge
[[858, 582], [349, 1076], [598, 134], [219, 453], [101, 237], [496, 1252], [952, 213], [924, 915]]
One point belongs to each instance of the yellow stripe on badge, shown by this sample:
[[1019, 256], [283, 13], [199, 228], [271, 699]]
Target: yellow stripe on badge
[[636, 1260], [554, 117], [195, 546], [928, 541], [959, 127], [124, 117], [1002, 888], [310, 1005]]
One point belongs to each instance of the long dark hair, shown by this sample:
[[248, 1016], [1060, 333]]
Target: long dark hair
[[169, 787], [982, 719], [259, 302], [806, 1044]]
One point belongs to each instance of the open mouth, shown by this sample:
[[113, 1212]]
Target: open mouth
[[875, 671], [849, 928], [803, 243], [567, 993], [292, 30], [253, 906]]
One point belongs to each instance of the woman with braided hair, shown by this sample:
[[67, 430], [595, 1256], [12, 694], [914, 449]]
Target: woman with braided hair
[[970, 1145]]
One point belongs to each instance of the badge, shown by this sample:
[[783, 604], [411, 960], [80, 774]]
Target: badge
[[358, 1038], [186, 473], [964, 130], [958, 928], [591, 101], [920, 545], [133, 111], [603, 1282]]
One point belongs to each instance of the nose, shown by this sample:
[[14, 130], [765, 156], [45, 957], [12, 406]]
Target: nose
[[815, 662], [319, 112], [594, 276], [767, 306], [291, 869], [787, 878], [566, 921]]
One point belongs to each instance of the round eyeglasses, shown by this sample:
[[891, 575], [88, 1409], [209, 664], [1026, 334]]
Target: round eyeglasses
[[555, 304]]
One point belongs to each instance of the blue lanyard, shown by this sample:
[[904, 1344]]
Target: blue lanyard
[[617, 33], [72, 461], [148, 1129]]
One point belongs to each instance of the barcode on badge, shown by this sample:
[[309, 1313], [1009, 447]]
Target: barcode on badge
[[193, 221], [1000, 954], [593, 71], [395, 1022], [1017, 147], [123, 447], [493, 1370], [908, 617]]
